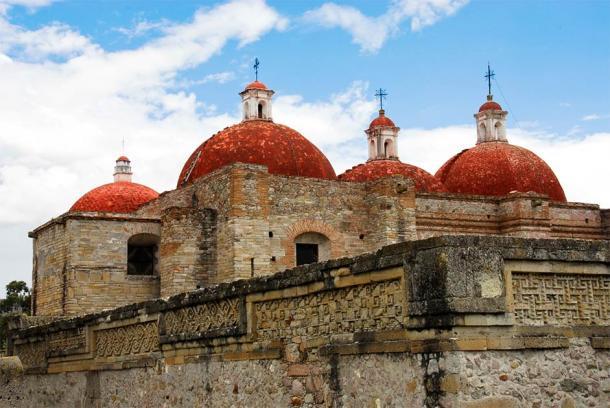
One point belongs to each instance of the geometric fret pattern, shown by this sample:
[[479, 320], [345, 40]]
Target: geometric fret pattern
[[371, 307], [32, 354], [561, 299], [68, 340], [223, 314], [125, 340]]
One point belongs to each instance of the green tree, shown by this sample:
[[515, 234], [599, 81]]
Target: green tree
[[17, 301]]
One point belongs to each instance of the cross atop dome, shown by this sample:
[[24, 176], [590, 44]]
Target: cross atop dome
[[381, 94], [489, 76]]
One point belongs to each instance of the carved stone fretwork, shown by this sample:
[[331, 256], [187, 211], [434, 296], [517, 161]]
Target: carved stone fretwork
[[561, 299], [67, 340], [371, 307], [125, 340], [32, 355], [205, 318]]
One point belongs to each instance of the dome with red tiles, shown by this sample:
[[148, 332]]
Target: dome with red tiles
[[123, 158], [497, 169], [490, 105], [375, 169], [283, 150], [256, 85], [117, 197], [381, 120]]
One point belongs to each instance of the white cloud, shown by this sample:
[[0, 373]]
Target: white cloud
[[370, 33], [5, 5], [67, 103], [595, 116], [143, 27]]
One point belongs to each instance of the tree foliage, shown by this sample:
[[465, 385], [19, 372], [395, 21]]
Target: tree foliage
[[17, 301]]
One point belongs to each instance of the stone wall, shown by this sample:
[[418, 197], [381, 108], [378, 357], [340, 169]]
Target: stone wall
[[49, 270], [80, 265], [525, 215], [79, 259], [448, 321], [188, 249]]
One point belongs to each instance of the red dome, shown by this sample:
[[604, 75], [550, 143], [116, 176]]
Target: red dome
[[256, 85], [123, 158], [381, 120], [375, 169], [283, 150], [117, 197], [490, 105], [498, 168]]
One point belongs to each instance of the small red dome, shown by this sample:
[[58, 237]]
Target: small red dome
[[117, 197], [123, 158], [256, 85], [498, 168], [375, 169], [283, 150], [490, 105], [381, 120]]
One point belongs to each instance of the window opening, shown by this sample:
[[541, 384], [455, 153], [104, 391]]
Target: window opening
[[306, 253]]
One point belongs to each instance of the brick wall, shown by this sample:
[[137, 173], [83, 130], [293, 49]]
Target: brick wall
[[188, 249]]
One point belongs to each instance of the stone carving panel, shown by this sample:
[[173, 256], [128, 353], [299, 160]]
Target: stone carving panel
[[370, 307], [32, 354], [561, 299], [67, 340], [223, 314], [127, 340]]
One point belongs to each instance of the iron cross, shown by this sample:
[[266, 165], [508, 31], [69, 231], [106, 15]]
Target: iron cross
[[255, 66], [490, 74], [381, 93]]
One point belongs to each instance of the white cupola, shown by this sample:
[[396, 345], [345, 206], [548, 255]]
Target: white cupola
[[256, 101], [491, 122], [382, 138], [122, 169]]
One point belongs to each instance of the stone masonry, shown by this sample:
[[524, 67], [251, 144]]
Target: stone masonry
[[80, 258], [455, 321]]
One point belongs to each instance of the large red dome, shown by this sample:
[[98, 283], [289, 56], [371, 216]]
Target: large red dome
[[375, 169], [283, 150], [497, 169], [117, 197]]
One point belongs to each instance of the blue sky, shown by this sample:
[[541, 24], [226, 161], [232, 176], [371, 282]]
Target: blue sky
[[78, 76]]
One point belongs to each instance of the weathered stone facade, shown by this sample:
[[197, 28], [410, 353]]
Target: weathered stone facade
[[242, 222], [449, 321]]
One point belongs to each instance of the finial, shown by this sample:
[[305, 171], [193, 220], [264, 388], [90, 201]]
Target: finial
[[489, 75], [381, 94], [255, 66]]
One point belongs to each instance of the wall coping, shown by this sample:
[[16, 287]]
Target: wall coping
[[509, 248]]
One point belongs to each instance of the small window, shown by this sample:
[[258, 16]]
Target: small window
[[260, 110], [307, 253], [142, 254], [311, 247]]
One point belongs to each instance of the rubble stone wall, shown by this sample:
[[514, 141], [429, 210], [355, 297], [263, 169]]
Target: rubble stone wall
[[449, 321]]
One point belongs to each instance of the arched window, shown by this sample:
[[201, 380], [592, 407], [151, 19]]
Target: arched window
[[499, 130], [260, 110], [142, 254], [387, 149], [311, 247]]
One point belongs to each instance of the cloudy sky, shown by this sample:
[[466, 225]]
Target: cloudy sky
[[78, 77]]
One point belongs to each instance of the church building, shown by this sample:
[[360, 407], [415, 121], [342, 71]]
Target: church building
[[257, 198]]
